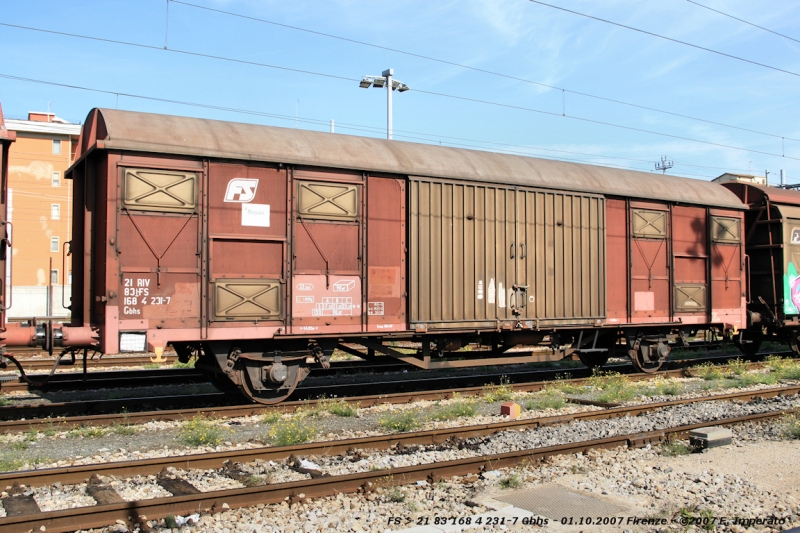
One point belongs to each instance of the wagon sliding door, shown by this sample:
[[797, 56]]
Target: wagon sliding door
[[327, 251], [158, 247], [690, 271], [650, 281], [480, 255], [561, 257], [247, 245]]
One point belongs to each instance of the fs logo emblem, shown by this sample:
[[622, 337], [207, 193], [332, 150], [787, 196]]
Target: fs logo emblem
[[241, 190]]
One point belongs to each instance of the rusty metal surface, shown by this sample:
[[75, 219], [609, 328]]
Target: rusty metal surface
[[146, 132], [727, 266], [690, 261], [649, 271], [752, 193], [386, 275], [100, 515], [617, 262]]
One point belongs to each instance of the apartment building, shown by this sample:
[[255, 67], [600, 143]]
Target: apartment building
[[39, 209]]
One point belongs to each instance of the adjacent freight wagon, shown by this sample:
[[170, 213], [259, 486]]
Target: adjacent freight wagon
[[261, 249], [772, 229]]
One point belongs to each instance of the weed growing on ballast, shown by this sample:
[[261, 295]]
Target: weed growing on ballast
[[549, 398], [199, 431], [457, 409], [674, 448], [791, 425], [295, 430], [86, 432], [708, 372], [498, 393], [401, 421]]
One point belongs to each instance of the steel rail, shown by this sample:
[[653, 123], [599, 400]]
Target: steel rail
[[99, 380], [101, 515], [19, 418], [23, 418], [78, 474]]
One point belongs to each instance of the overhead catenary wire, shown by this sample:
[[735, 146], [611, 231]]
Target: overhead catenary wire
[[481, 70], [740, 20], [678, 41], [320, 122], [349, 79]]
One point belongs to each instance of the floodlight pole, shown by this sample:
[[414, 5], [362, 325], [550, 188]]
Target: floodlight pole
[[388, 75]]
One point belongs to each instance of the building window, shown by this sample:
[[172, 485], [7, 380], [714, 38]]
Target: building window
[[56, 147], [55, 211], [54, 277], [54, 244], [56, 179]]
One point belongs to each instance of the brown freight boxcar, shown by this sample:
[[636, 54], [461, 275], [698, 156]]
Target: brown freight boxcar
[[258, 248]]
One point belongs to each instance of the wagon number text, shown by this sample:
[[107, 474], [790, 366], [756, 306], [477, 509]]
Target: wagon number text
[[137, 292]]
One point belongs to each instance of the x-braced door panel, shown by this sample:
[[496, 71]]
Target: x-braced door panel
[[650, 282]]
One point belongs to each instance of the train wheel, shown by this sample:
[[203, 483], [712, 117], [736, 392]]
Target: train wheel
[[265, 394], [749, 346], [649, 358]]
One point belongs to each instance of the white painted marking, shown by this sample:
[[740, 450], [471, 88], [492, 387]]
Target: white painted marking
[[344, 285], [241, 190], [255, 215]]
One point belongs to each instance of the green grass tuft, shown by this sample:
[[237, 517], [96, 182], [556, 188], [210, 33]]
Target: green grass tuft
[[550, 398], [791, 425], [511, 481], [401, 421], [498, 393], [613, 387], [708, 372], [86, 432], [674, 448], [271, 417], [295, 430], [669, 388], [189, 364], [454, 410], [199, 431]]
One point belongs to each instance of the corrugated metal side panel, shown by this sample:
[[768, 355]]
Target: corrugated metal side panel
[[470, 244]]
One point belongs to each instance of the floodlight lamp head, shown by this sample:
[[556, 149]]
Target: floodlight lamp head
[[403, 88], [379, 82], [366, 81]]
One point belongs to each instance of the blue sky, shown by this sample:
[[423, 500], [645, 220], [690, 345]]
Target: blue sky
[[512, 37]]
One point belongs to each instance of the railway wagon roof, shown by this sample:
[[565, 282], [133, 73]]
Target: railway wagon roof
[[145, 132], [752, 193]]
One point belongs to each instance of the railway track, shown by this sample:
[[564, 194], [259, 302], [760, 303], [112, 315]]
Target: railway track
[[158, 376], [107, 412], [186, 499]]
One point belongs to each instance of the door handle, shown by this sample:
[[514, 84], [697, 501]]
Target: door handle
[[522, 251], [512, 251]]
